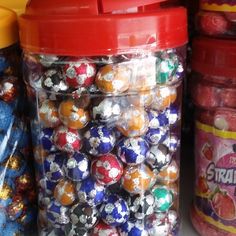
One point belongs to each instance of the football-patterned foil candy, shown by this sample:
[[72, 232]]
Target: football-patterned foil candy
[[64, 192], [57, 214], [67, 140], [141, 205], [133, 227], [99, 140], [107, 169], [165, 96], [107, 110], [137, 179], [157, 119], [114, 78], [158, 157], [79, 73], [83, 216], [133, 122], [172, 142], [53, 80], [46, 138], [77, 167], [132, 151], [164, 198], [90, 192], [53, 167], [157, 225], [48, 114], [170, 174], [72, 116], [114, 211], [103, 229], [157, 136], [47, 185]]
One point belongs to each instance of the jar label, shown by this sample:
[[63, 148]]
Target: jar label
[[215, 192], [218, 5]]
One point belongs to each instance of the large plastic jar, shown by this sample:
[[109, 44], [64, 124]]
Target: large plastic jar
[[105, 82], [213, 92], [217, 18], [17, 192]]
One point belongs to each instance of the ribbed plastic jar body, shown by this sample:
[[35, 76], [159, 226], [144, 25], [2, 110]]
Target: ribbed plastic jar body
[[106, 133], [214, 208]]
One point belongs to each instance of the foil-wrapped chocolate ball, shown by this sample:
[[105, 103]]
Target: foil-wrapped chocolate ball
[[83, 216], [67, 139], [141, 205], [142, 98], [167, 65], [156, 136], [53, 167], [170, 174], [107, 110], [73, 116], [9, 89], [6, 116], [172, 142], [90, 192], [47, 185], [48, 114], [57, 214], [133, 122], [107, 169], [173, 114], [132, 151], [48, 60], [157, 119], [103, 229], [157, 225], [158, 157], [114, 211], [99, 140], [73, 230], [79, 73], [53, 80], [137, 179], [113, 78], [133, 227], [82, 97], [46, 138], [164, 198], [77, 167], [165, 96], [64, 192]]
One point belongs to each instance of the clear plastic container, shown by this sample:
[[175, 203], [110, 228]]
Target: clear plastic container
[[17, 189], [217, 18], [213, 92], [106, 120]]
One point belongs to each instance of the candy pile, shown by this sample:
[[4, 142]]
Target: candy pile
[[106, 143], [17, 193]]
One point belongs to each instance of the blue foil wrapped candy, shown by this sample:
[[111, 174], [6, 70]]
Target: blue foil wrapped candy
[[99, 140], [156, 136], [132, 151], [90, 192], [46, 138]]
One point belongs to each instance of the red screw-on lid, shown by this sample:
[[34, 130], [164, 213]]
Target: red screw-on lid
[[100, 27], [214, 57]]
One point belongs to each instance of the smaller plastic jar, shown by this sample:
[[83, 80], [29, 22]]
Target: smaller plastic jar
[[213, 89], [17, 193], [217, 18]]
